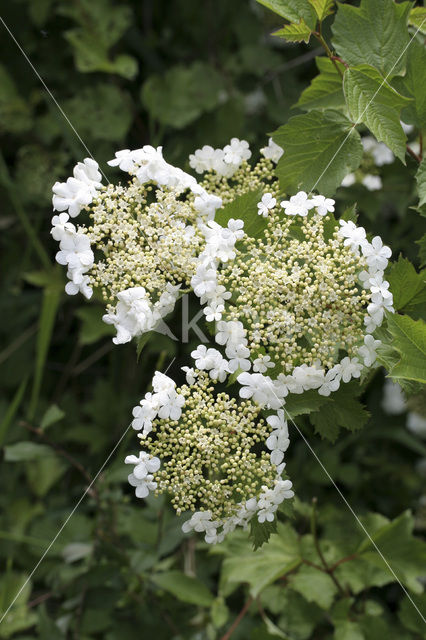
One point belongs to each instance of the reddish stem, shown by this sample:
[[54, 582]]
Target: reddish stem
[[237, 620]]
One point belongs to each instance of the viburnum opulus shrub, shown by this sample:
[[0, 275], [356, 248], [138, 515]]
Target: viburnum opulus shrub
[[291, 295]]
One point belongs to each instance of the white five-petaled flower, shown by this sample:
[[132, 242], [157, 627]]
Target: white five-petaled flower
[[236, 151], [231, 332], [376, 253], [299, 204], [368, 350], [323, 205], [262, 363], [350, 368], [267, 203], [273, 151], [354, 236]]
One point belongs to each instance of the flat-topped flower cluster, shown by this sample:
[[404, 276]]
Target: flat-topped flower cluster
[[293, 308]]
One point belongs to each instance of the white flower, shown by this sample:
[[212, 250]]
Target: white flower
[[214, 312], [377, 307], [145, 413], [143, 486], [207, 204], [132, 316], [144, 464], [416, 424], [323, 205], [262, 389], [60, 226], [380, 152], [354, 236], [211, 360], [267, 203], [407, 128], [171, 406], [236, 227], [376, 254], [348, 180], [231, 332], [88, 172], [298, 204], [161, 383], [202, 159], [75, 251], [368, 350], [262, 364], [191, 375], [204, 281], [380, 286], [331, 381], [236, 151], [78, 285], [394, 402], [273, 151], [127, 160], [372, 183], [71, 196], [238, 355], [350, 368]]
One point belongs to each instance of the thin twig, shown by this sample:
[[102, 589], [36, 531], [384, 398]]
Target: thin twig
[[318, 548], [414, 154], [238, 619]]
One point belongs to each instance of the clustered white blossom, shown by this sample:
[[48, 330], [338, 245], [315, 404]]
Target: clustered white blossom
[[294, 310]]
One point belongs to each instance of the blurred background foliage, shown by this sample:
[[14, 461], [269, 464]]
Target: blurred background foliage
[[179, 74]]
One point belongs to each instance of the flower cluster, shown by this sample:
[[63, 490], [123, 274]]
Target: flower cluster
[[292, 308]]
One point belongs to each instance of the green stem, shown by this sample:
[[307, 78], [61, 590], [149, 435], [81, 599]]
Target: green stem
[[12, 191], [318, 548], [330, 56]]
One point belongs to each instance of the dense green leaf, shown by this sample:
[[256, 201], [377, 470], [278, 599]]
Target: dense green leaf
[[292, 10], [348, 630], [410, 616], [183, 587], [315, 585], [325, 90], [374, 102], [375, 33], [15, 587], [323, 8], [260, 533], [404, 554], [413, 85], [409, 340], [320, 150], [244, 208], [21, 451], [408, 287], [341, 409], [92, 326], [421, 182], [299, 32], [51, 416], [417, 18], [182, 94]]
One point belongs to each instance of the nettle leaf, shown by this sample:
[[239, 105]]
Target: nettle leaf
[[182, 94], [184, 588], [374, 102], [323, 8], [321, 148], [299, 32], [408, 287], [292, 10], [421, 182], [244, 208], [374, 33], [417, 18], [413, 84], [259, 569], [261, 532], [409, 340], [314, 585], [405, 553], [325, 90], [341, 409]]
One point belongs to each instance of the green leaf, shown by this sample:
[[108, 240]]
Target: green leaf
[[341, 409], [314, 585], [422, 243], [299, 32], [15, 113], [374, 33], [14, 585], [292, 10], [409, 340], [320, 150], [323, 8], [182, 94], [408, 287], [417, 18], [12, 410], [22, 451], [262, 567], [244, 208], [184, 588], [421, 182], [219, 612], [413, 85], [303, 403], [409, 615], [325, 90], [405, 554], [348, 631], [374, 102], [261, 532], [52, 415]]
